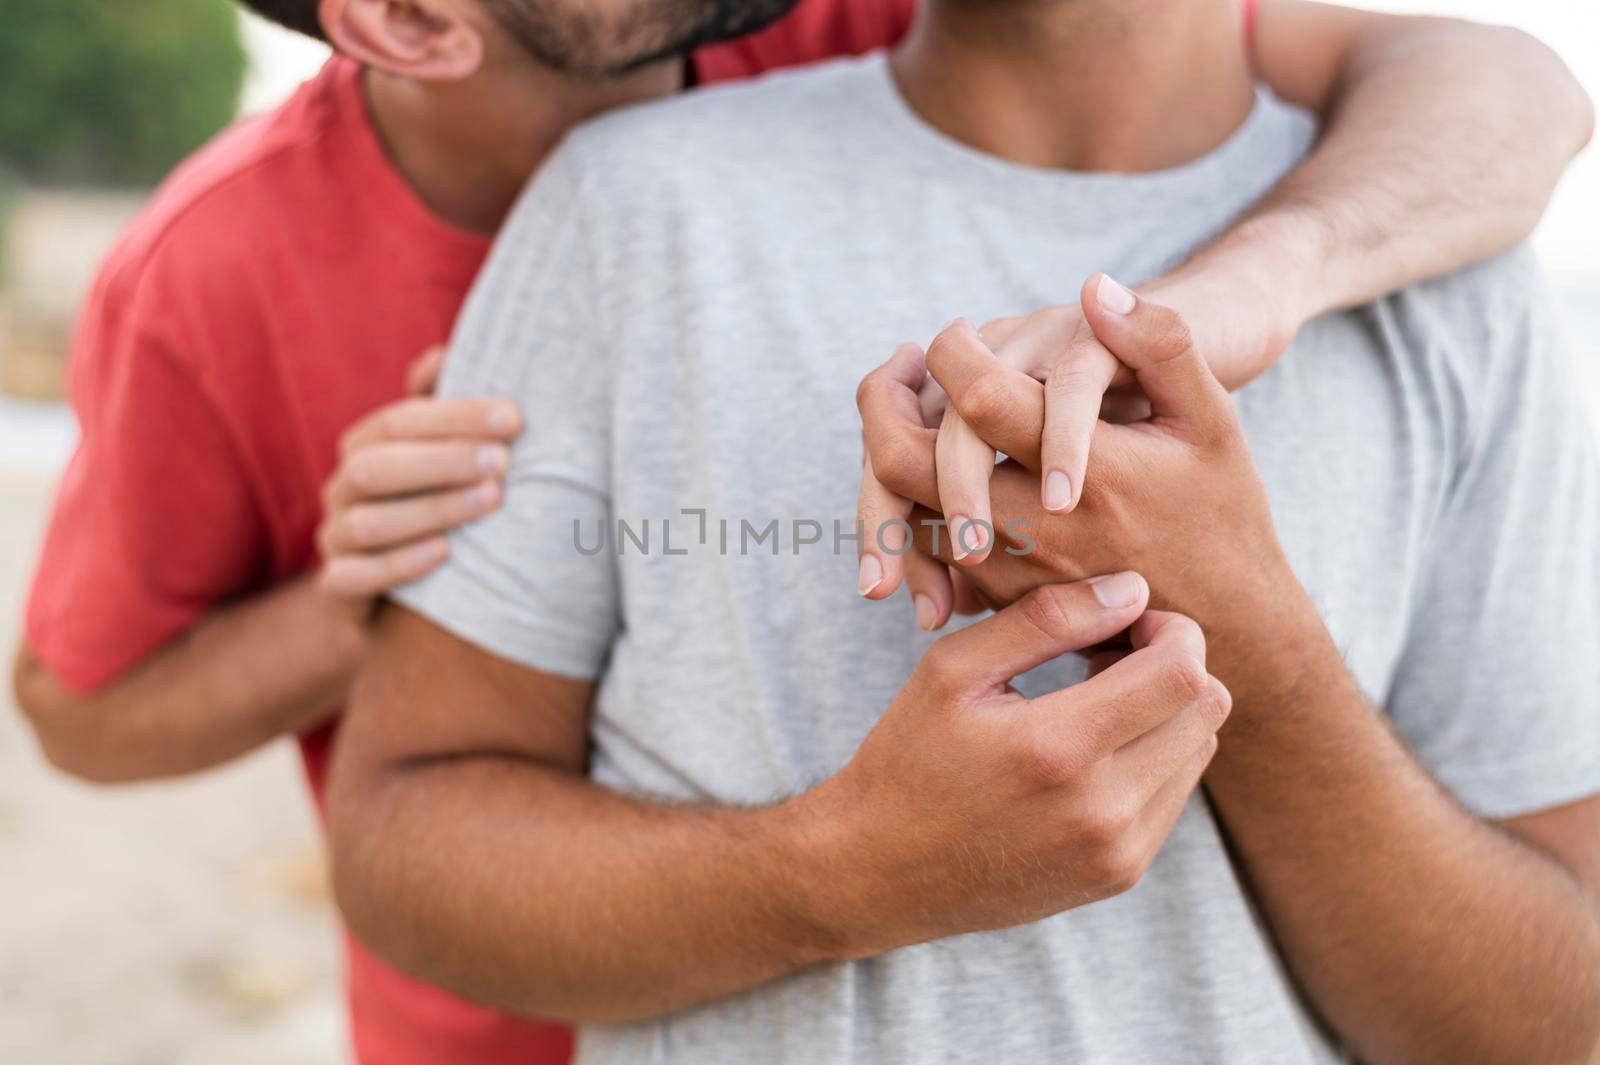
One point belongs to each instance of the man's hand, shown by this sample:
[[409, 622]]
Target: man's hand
[[1157, 494], [1234, 321], [963, 781], [609, 908], [408, 474]]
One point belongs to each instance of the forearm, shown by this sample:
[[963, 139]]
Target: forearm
[[1421, 933], [584, 905], [1442, 144], [271, 665]]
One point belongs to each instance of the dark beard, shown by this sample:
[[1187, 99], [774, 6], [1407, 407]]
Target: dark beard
[[564, 36]]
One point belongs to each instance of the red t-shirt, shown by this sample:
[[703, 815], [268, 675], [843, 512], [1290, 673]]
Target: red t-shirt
[[273, 292]]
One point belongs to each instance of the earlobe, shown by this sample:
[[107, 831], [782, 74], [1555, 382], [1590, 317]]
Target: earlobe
[[419, 39]]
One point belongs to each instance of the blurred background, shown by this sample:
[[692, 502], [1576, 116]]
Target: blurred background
[[190, 923]]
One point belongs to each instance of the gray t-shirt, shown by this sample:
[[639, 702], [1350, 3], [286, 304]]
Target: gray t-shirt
[[684, 304]]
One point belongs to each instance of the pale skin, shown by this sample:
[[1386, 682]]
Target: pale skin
[[1484, 945], [468, 118], [470, 847]]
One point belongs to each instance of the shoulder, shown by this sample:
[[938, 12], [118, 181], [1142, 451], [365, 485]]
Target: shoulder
[[204, 228], [1486, 347], [1490, 320]]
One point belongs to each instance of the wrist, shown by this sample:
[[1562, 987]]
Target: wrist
[[1274, 648], [333, 636], [1248, 294], [832, 893], [1280, 254]]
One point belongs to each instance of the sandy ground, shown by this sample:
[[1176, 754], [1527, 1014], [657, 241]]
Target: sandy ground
[[175, 924]]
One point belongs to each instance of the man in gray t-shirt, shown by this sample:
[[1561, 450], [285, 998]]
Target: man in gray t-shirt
[[786, 839]]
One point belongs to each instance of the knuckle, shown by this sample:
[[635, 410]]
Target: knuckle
[[1069, 377], [1044, 609], [988, 400], [1049, 765], [1182, 676], [350, 439], [869, 389], [899, 463], [940, 667], [330, 491], [359, 528], [1122, 867], [1172, 336], [360, 474], [325, 540], [1101, 829], [942, 352], [387, 423], [1216, 705]]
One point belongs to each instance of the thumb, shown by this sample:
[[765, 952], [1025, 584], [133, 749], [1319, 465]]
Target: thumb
[[1155, 343], [423, 377], [1043, 625]]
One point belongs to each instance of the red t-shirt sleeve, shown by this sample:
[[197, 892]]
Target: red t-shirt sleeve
[[154, 522], [813, 31]]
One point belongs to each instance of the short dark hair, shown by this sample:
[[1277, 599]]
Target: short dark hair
[[296, 14]]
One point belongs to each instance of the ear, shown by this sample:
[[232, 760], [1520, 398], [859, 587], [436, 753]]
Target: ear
[[426, 40]]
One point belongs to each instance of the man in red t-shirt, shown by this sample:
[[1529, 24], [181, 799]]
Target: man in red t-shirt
[[250, 341]]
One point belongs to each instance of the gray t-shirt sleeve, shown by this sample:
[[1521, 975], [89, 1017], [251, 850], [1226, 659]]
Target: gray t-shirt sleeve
[[1498, 687], [516, 583]]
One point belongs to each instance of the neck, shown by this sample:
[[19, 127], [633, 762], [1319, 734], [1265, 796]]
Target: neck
[[1112, 85], [468, 148]]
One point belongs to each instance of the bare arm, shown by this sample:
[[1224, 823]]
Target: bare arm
[[281, 662], [1497, 960], [1423, 934], [1443, 141], [470, 848], [248, 674]]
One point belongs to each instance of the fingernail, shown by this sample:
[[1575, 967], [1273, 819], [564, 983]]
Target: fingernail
[[1117, 590], [493, 459], [956, 322], [502, 420], [959, 525], [1057, 491], [871, 574], [1114, 297], [927, 612], [482, 498]]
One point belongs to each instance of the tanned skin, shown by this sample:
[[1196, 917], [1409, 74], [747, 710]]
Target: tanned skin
[[471, 849], [1423, 934], [468, 117]]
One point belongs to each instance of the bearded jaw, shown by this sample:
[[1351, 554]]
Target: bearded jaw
[[613, 38]]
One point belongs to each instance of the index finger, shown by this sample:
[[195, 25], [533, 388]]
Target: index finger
[[1159, 679], [426, 418], [1073, 394], [1002, 405]]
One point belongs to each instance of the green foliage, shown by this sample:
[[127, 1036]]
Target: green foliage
[[113, 91]]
